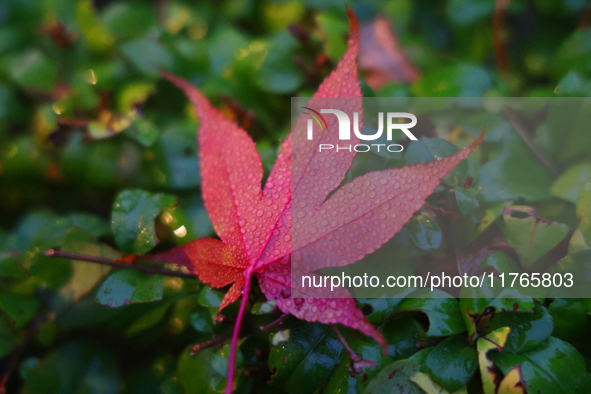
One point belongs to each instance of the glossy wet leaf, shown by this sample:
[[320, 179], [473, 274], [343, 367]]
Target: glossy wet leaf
[[444, 313], [528, 330], [129, 286], [425, 233], [396, 378], [402, 333], [554, 366], [569, 318], [452, 363], [487, 346], [341, 379], [133, 217], [304, 362]]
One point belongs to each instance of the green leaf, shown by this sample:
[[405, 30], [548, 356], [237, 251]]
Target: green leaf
[[278, 74], [149, 57], [573, 54], [568, 185], [466, 199], [201, 320], [401, 334], [577, 243], [494, 341], [528, 331], [429, 149], [531, 237], [144, 131], [148, 320], [584, 211], [341, 380], [425, 233], [85, 276], [19, 308], [443, 312], [133, 217], [125, 20], [175, 162], [452, 363], [515, 172], [149, 289], [573, 84], [210, 298], [76, 367], [570, 318], [395, 379], [307, 360], [32, 70], [466, 12], [206, 371], [8, 339], [553, 367], [48, 230], [193, 371], [129, 286], [463, 80]]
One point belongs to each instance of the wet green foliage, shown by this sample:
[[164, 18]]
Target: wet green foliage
[[98, 156]]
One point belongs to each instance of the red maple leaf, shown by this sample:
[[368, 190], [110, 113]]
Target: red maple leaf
[[255, 225]]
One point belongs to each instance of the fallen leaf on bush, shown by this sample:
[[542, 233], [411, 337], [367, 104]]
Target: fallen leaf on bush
[[255, 226]]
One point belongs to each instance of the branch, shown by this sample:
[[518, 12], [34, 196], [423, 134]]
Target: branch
[[499, 34], [114, 263], [521, 130]]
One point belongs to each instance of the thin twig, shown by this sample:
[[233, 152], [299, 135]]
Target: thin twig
[[113, 263], [586, 18], [213, 341], [11, 367], [521, 130], [499, 34], [357, 363], [274, 322]]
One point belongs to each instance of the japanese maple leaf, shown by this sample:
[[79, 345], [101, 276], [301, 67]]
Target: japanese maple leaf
[[255, 225]]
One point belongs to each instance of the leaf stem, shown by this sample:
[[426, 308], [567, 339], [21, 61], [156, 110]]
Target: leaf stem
[[114, 263], [213, 341], [357, 363], [232, 359], [278, 321]]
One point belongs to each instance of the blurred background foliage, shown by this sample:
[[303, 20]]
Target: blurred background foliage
[[94, 145]]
